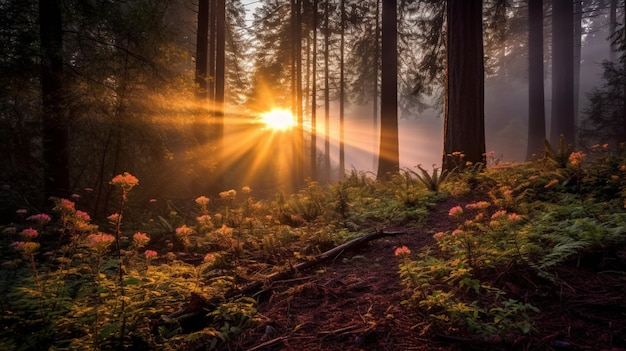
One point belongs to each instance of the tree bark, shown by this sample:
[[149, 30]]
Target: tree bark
[[562, 118], [55, 124], [389, 153], [313, 151], [326, 93], [536, 99], [220, 69], [464, 124], [342, 158]]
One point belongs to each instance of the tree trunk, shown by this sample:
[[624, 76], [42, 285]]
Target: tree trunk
[[342, 160], [55, 124], [326, 94], [375, 95], [314, 97], [612, 30], [578, 30], [536, 99], [464, 124], [562, 119], [220, 68], [389, 154]]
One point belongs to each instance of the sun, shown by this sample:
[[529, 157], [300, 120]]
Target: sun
[[278, 119]]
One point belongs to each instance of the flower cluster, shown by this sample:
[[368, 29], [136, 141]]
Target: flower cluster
[[100, 241], [455, 211], [125, 181], [202, 201], [29, 233], [40, 218], [402, 251], [230, 194], [480, 205], [140, 239], [575, 158], [150, 254]]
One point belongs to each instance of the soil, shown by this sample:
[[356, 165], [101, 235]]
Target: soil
[[355, 303]]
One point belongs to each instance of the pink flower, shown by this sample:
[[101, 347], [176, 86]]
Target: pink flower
[[402, 251], [498, 214], [84, 216], [514, 217], [455, 211], [29, 233], [125, 181], [150, 254], [140, 239], [153, 201], [457, 232], [438, 235], [66, 204], [100, 241], [204, 220], [575, 158], [21, 211], [40, 218], [183, 231], [114, 218], [17, 245]]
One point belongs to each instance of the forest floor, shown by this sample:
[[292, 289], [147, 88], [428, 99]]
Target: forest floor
[[355, 303]]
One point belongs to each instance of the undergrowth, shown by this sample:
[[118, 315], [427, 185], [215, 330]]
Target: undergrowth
[[69, 284]]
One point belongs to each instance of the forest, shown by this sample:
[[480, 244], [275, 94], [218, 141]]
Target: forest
[[313, 175]]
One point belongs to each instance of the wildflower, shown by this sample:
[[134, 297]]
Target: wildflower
[[29, 248], [457, 232], [480, 205], [605, 146], [514, 217], [479, 217], [183, 231], [40, 218], [100, 241], [114, 218], [508, 192], [84, 216], [402, 251], [204, 221], [246, 190], [65, 204], [623, 168], [21, 211], [202, 201], [455, 211], [140, 239], [150, 254], [153, 201], [595, 146], [29, 233], [125, 181], [575, 158], [614, 177], [438, 235], [498, 214], [230, 194]]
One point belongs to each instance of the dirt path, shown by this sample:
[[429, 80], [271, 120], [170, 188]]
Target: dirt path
[[352, 303], [355, 303]]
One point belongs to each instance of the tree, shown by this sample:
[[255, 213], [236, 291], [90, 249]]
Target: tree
[[55, 123], [562, 117], [313, 151], [464, 125], [536, 103], [342, 95], [389, 154]]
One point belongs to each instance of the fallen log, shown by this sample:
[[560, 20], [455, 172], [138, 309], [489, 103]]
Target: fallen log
[[200, 306]]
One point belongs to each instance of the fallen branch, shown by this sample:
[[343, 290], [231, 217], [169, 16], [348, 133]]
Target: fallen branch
[[199, 305]]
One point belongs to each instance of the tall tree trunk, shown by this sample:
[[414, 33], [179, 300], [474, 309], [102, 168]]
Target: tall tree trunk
[[202, 42], [212, 51], [578, 30], [299, 132], [536, 99], [55, 124], [220, 70], [612, 30], [389, 154], [375, 95], [326, 93], [314, 175], [342, 159], [464, 125], [562, 119]]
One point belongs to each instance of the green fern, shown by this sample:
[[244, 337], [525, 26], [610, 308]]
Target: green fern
[[432, 182]]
